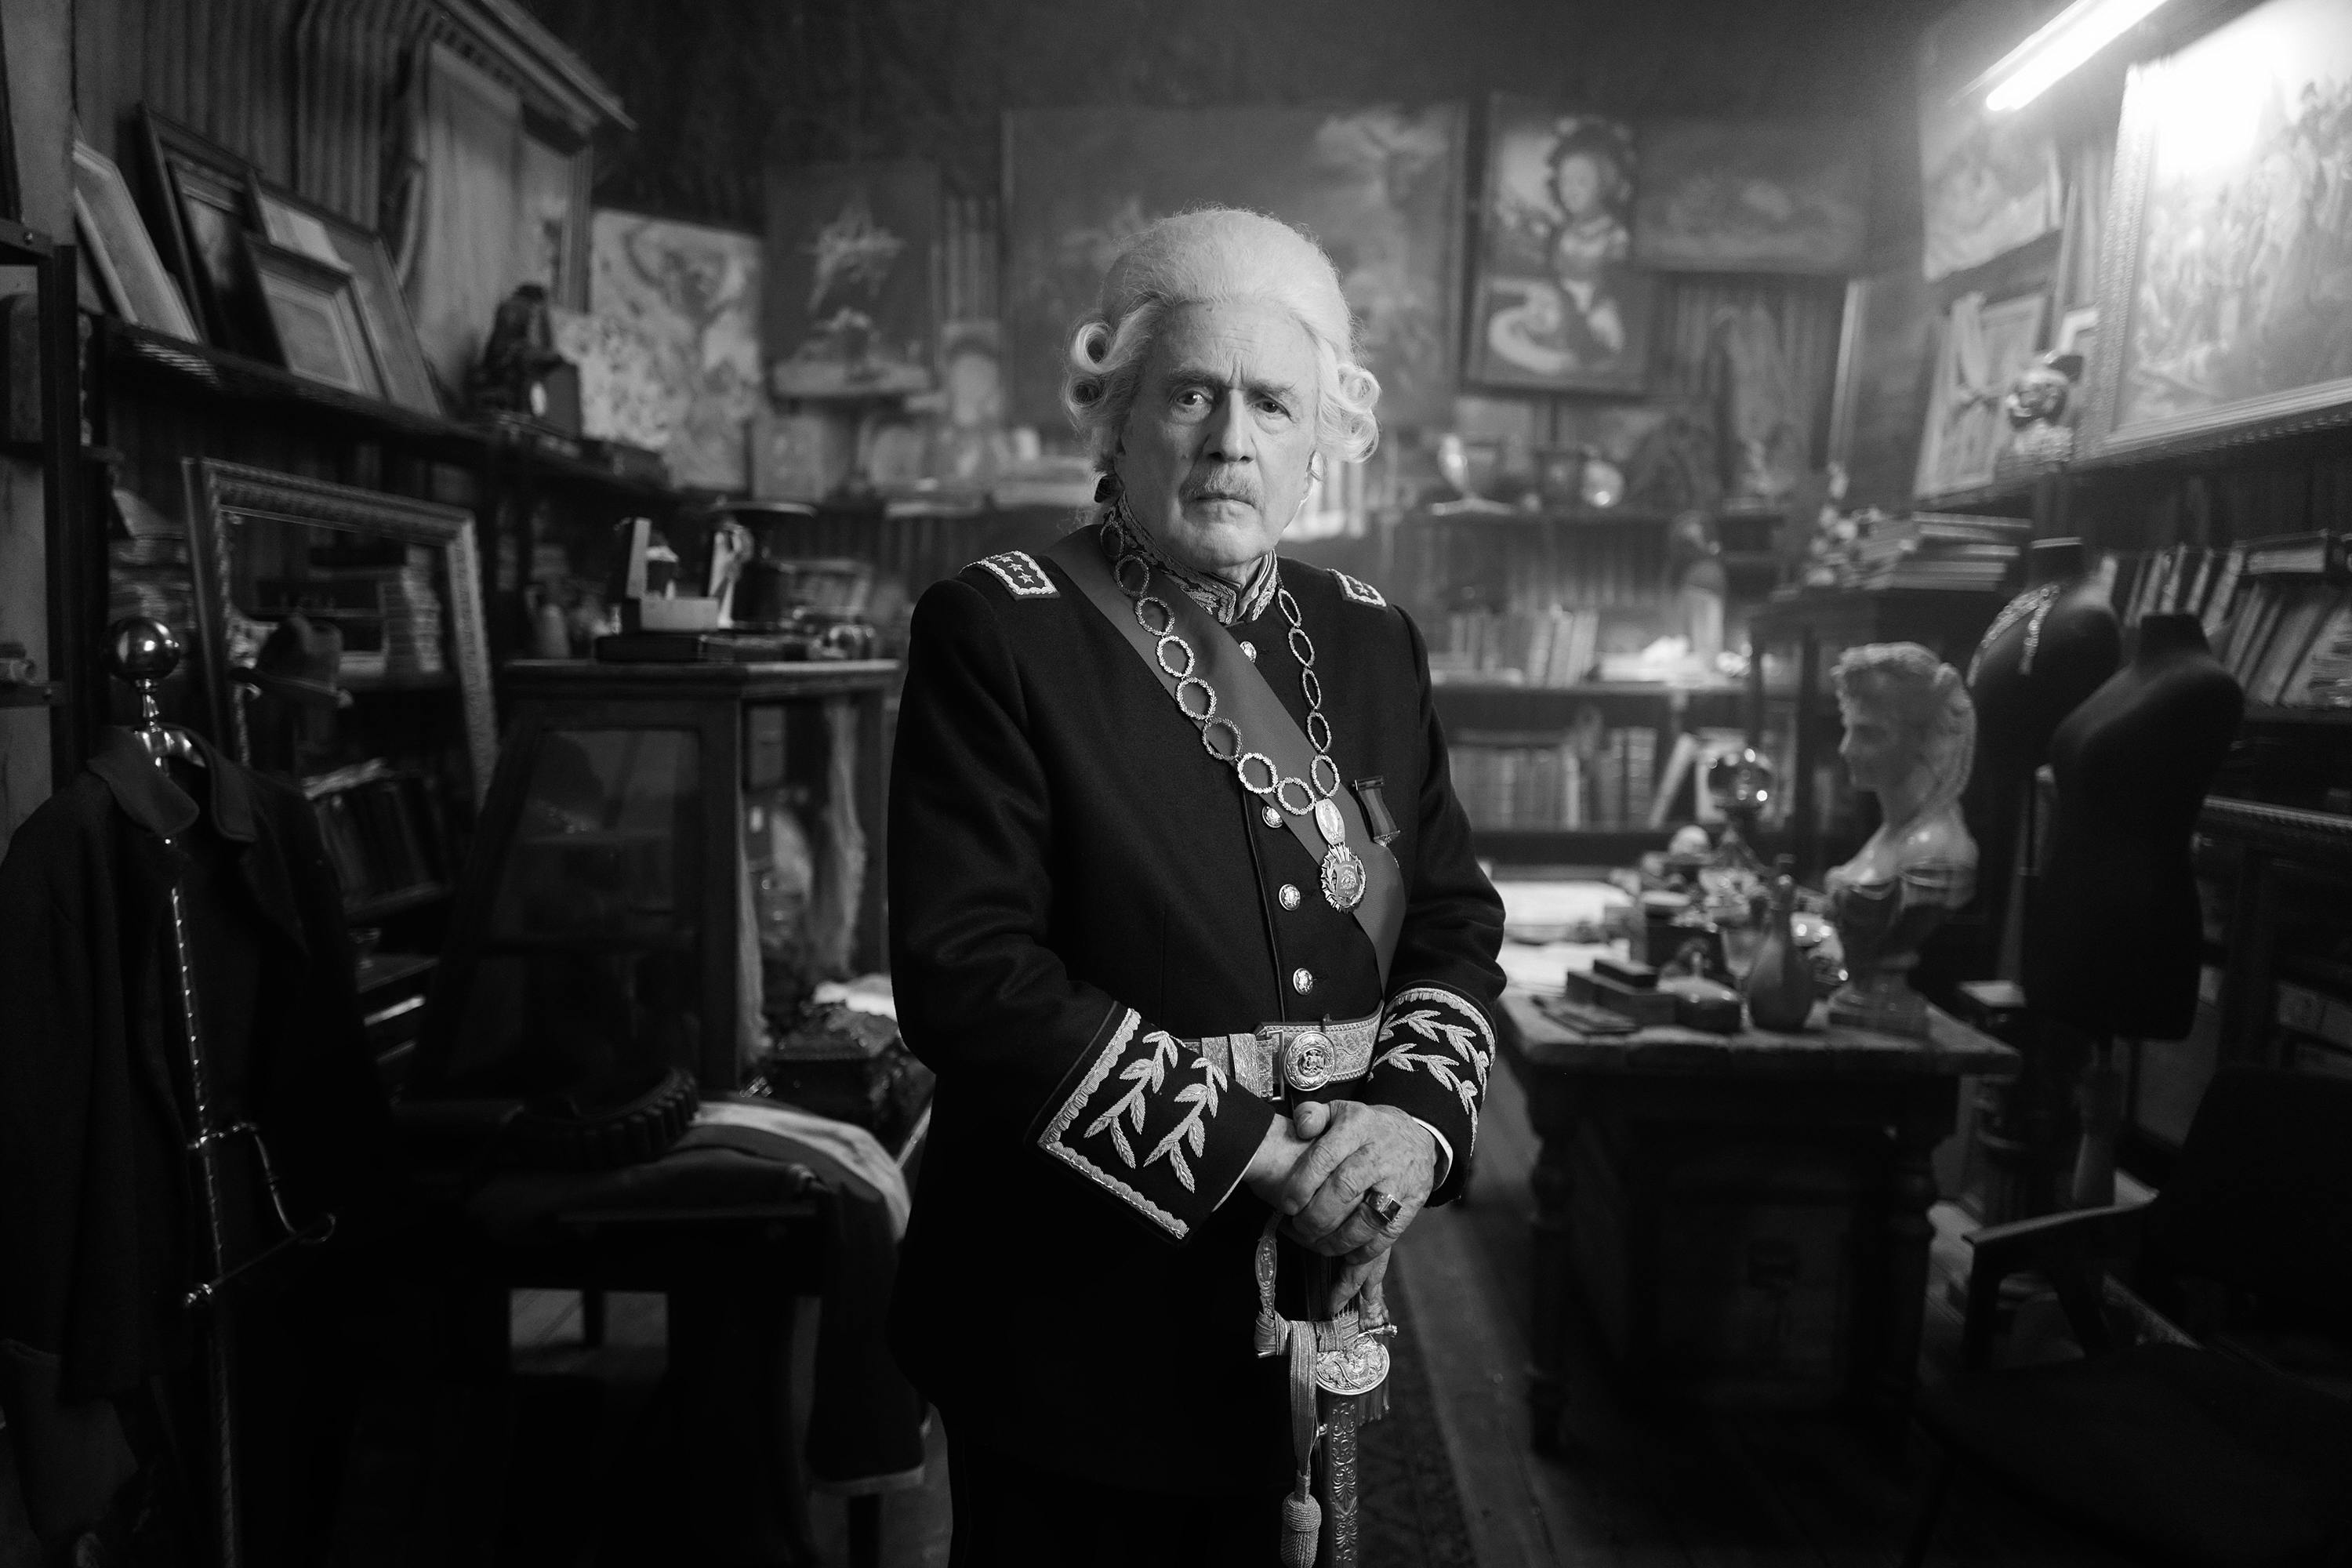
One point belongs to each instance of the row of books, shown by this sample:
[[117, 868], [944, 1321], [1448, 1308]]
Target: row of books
[[1552, 782], [2273, 619], [2289, 643], [1550, 647], [376, 828], [1545, 783]]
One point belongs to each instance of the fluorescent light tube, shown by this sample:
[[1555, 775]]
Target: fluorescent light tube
[[2077, 33]]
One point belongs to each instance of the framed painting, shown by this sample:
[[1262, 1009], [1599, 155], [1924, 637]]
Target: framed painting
[[1988, 183], [142, 291], [1557, 307], [293, 223], [315, 313], [1983, 348], [1378, 187], [203, 200], [692, 291], [848, 308], [2228, 260], [247, 525], [1728, 195]]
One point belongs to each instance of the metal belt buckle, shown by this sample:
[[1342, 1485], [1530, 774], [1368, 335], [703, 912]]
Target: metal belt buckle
[[1307, 1060]]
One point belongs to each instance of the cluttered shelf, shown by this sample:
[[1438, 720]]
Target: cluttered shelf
[[133, 352]]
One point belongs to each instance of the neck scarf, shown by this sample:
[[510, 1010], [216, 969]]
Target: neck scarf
[[1227, 604]]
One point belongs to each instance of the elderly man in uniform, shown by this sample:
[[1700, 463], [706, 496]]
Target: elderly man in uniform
[[1185, 916]]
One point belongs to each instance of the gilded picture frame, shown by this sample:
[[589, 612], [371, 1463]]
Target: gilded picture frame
[[2217, 308], [225, 499]]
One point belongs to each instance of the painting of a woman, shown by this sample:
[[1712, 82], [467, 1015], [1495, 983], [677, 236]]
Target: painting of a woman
[[1558, 307]]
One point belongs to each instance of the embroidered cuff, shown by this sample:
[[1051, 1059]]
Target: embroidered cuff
[[1153, 1122], [1431, 1063]]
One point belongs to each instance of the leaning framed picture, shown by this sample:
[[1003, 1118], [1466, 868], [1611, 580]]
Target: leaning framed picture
[[314, 310], [2228, 262], [203, 202], [294, 224], [121, 252], [1983, 348], [1555, 305]]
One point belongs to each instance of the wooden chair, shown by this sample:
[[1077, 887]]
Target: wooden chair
[[2181, 1448]]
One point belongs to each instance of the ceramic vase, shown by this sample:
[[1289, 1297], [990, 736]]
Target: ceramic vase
[[1779, 988]]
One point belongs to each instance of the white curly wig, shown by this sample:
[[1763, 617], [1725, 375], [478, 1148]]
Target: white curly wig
[[1214, 255]]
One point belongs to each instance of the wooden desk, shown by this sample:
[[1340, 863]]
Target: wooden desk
[[1746, 1216]]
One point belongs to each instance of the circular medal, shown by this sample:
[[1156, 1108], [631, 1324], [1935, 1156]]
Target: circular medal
[[1357, 1368], [1343, 878], [1329, 823]]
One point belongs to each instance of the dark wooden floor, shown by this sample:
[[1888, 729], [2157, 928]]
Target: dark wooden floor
[[1648, 1489]]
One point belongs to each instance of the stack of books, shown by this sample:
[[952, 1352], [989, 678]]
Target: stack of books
[[1937, 550]]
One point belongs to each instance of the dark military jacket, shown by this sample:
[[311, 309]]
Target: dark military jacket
[[1079, 892]]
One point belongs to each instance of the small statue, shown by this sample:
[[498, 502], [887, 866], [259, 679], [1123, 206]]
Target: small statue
[[2040, 408], [511, 375], [1910, 736], [1694, 560]]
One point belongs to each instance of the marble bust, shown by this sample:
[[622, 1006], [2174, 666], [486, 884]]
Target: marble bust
[[1910, 736]]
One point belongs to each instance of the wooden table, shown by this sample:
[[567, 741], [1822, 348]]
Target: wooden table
[[1745, 1216]]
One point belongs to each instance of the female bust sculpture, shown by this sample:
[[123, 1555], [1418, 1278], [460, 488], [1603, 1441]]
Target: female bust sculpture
[[1910, 735]]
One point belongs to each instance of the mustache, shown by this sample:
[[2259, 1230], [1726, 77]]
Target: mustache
[[1223, 487]]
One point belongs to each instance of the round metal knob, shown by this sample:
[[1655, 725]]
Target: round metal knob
[[141, 651]]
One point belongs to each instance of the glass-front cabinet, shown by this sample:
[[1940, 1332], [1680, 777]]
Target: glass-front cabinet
[[672, 855]]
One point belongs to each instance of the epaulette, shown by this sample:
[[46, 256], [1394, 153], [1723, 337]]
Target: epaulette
[[1361, 591], [1022, 576]]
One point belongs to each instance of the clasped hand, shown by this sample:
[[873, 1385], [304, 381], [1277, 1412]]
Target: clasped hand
[[1315, 1166]]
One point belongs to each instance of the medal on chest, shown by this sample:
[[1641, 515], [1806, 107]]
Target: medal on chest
[[1343, 873]]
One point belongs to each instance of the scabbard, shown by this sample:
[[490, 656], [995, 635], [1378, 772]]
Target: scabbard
[[1336, 1481]]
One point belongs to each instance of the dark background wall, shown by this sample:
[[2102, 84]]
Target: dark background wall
[[720, 87]]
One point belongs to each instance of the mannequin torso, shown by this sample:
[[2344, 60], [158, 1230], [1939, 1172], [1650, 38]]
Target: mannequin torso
[[2047, 652], [2113, 943]]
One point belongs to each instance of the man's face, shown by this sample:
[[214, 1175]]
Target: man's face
[[1213, 456]]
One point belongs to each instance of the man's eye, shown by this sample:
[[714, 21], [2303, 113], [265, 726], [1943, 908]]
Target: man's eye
[[1274, 407], [1193, 398]]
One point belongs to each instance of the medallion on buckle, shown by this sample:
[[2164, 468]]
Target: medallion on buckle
[[1307, 1061]]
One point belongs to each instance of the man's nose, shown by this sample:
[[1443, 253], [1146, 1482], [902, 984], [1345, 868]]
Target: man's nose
[[1229, 431]]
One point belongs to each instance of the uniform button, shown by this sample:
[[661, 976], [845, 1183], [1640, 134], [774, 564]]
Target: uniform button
[[1249, 650], [1302, 981], [1273, 817], [1289, 896]]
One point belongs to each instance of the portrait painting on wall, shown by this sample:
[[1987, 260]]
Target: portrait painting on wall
[[1378, 188], [1988, 183], [1720, 195], [848, 308], [693, 291], [2225, 288], [1983, 348], [1558, 305]]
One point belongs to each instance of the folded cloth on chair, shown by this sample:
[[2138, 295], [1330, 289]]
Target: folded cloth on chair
[[857, 1152], [865, 1421]]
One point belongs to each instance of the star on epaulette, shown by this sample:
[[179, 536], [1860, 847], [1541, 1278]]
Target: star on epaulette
[[1022, 576], [1361, 591]]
